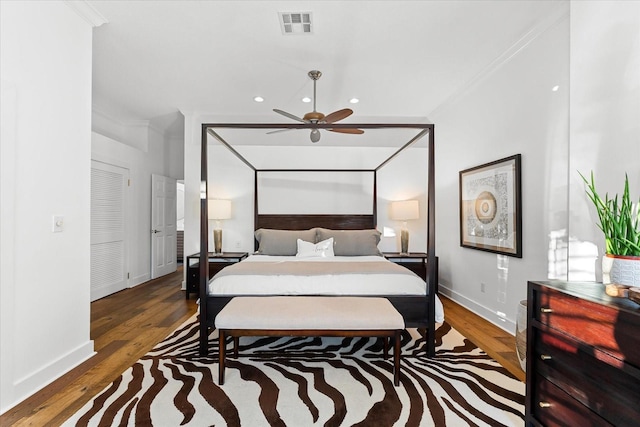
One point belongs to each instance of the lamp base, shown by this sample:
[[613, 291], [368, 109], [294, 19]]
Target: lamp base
[[217, 241], [404, 242]]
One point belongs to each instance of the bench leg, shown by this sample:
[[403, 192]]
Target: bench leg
[[223, 345], [236, 344], [396, 359], [386, 347]]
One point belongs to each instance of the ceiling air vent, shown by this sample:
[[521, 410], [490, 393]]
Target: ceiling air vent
[[295, 22]]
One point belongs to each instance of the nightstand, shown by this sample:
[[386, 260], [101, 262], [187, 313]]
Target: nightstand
[[415, 261], [216, 263]]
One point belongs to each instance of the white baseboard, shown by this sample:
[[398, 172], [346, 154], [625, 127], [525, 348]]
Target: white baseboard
[[138, 280], [36, 381], [503, 323]]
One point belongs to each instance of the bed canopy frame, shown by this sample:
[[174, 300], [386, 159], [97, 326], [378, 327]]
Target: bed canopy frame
[[303, 221]]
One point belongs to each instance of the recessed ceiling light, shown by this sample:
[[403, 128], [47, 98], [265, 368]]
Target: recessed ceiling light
[[354, 100], [555, 88], [306, 99], [258, 98]]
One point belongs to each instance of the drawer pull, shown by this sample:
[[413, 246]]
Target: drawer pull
[[546, 310], [544, 404], [545, 357]]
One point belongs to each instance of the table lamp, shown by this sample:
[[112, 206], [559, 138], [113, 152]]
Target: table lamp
[[218, 210], [404, 211]]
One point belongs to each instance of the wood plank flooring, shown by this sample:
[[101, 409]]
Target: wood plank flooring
[[126, 325], [497, 343]]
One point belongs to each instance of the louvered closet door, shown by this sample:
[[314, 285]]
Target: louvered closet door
[[109, 267]]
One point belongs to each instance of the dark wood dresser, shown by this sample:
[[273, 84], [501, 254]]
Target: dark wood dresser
[[583, 356]]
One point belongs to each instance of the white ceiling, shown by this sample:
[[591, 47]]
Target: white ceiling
[[402, 59]]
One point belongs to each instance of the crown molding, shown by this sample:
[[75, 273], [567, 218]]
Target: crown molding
[[123, 123], [560, 13], [87, 12], [106, 116]]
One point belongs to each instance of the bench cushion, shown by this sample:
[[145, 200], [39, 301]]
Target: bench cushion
[[309, 312]]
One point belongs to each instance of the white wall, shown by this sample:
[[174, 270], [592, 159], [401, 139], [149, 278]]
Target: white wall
[[594, 58], [46, 114], [511, 109], [605, 119]]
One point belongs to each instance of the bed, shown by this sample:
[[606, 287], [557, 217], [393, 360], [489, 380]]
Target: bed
[[351, 273]]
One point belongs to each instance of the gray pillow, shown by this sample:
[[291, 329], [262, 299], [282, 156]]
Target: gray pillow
[[282, 242], [352, 242]]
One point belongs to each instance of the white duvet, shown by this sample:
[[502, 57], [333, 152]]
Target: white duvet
[[341, 284]]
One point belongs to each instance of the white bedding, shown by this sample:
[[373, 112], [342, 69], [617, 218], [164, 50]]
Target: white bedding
[[347, 284]]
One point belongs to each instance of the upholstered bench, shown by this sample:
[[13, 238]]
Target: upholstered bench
[[310, 316]]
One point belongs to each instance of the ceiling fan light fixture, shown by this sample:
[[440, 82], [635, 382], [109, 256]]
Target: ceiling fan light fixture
[[354, 100], [258, 98], [306, 100], [315, 135], [315, 117]]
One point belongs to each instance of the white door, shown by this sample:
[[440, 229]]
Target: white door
[[163, 226], [109, 261]]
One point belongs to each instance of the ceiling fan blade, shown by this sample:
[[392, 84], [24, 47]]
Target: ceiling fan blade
[[338, 115], [278, 131], [289, 115], [351, 131]]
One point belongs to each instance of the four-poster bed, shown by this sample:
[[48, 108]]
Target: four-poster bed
[[418, 310]]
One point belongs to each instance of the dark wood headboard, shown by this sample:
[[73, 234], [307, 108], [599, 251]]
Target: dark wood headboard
[[305, 222]]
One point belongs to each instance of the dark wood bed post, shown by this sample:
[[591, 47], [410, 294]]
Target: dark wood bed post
[[204, 245], [255, 207], [432, 278], [375, 198]]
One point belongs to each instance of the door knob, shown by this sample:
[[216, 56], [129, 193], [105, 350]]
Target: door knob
[[155, 231]]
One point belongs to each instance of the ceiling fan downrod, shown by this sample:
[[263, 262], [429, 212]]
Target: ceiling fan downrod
[[314, 116]]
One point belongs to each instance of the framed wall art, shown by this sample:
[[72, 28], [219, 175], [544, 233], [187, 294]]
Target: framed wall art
[[491, 207]]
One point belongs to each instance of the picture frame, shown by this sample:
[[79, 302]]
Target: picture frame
[[491, 207]]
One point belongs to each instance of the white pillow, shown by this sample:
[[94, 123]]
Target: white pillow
[[323, 249]]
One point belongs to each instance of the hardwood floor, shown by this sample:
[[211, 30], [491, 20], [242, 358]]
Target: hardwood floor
[[497, 343], [126, 325]]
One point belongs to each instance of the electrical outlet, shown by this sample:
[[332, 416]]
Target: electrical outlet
[[482, 287]]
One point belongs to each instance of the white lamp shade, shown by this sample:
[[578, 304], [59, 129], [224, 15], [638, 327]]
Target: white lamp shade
[[405, 210], [219, 209]]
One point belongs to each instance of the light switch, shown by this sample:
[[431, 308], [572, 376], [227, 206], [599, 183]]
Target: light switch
[[58, 224]]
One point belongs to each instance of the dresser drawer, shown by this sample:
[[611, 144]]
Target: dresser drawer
[[554, 407], [598, 325], [613, 393]]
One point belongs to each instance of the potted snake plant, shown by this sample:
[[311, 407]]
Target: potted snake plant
[[620, 223]]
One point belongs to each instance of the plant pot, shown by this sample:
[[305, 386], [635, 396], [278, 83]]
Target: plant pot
[[521, 334], [623, 270]]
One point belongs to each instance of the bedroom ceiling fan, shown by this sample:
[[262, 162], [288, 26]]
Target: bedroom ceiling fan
[[317, 117]]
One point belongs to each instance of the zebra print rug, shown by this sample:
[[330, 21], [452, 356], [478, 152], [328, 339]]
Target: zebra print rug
[[310, 382]]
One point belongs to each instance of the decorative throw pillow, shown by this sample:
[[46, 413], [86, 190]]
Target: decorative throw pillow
[[323, 249], [281, 242], [352, 242]]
